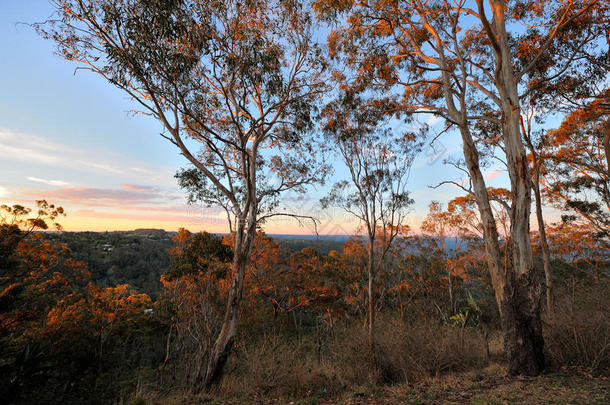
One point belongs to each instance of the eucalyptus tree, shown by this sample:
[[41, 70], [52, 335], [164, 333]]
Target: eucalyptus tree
[[575, 157], [448, 58], [234, 85], [571, 78], [378, 159]]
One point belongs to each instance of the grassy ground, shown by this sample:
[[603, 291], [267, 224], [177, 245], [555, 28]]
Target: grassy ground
[[489, 386], [493, 388]]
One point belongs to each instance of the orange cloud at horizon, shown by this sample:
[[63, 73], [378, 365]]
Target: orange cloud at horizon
[[197, 218], [104, 221], [85, 216]]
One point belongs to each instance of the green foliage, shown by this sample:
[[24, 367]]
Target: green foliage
[[468, 314], [199, 255]]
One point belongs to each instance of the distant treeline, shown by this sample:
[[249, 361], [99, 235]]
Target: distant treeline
[[141, 256]]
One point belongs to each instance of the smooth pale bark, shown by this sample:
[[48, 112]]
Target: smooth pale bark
[[520, 316], [244, 241], [546, 253], [519, 319], [490, 230], [471, 157], [245, 233]]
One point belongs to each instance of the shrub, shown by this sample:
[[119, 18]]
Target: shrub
[[579, 335], [276, 364], [407, 353]]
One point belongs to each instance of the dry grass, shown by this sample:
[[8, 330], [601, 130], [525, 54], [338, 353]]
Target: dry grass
[[279, 366], [579, 335], [488, 385], [491, 386], [406, 353]]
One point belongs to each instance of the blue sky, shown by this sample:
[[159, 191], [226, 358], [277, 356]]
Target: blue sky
[[69, 137]]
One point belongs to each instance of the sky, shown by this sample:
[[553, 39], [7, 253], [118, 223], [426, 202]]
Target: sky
[[70, 137]]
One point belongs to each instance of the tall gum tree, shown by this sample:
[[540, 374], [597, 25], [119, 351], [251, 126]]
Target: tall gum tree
[[571, 78], [575, 157], [234, 85], [458, 60], [378, 159]]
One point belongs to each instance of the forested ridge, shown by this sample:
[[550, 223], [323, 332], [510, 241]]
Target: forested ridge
[[140, 257]]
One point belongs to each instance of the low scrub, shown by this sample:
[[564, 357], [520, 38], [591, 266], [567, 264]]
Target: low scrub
[[579, 335], [407, 353], [302, 365]]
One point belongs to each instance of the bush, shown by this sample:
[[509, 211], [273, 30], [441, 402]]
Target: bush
[[277, 364], [407, 353], [579, 335]]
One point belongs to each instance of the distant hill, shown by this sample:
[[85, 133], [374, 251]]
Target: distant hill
[[323, 244], [151, 232]]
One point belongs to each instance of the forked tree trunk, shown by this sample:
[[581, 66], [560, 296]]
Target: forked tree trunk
[[519, 302], [520, 306], [515, 285]]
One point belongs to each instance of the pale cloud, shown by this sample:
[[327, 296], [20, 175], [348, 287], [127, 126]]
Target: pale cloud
[[48, 182], [139, 187], [492, 175], [4, 192], [96, 195], [180, 216], [102, 167], [140, 170], [34, 149], [129, 196], [29, 155], [184, 215]]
